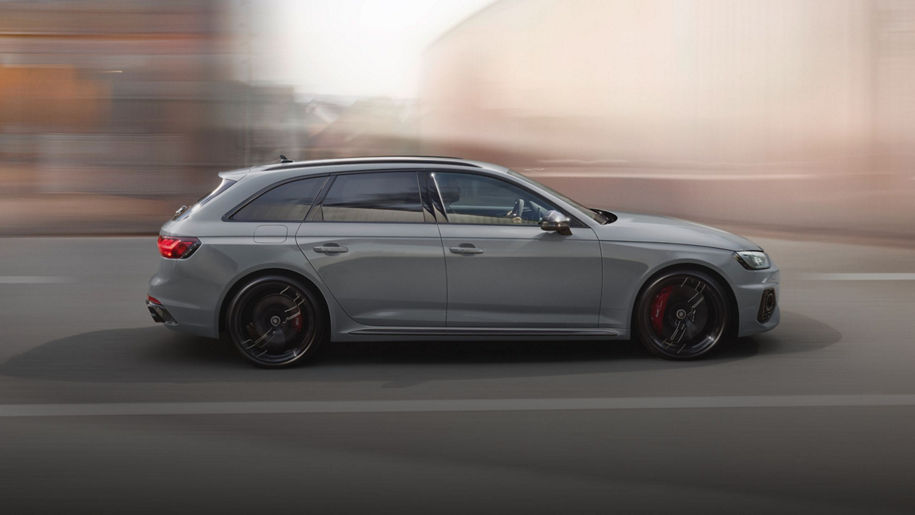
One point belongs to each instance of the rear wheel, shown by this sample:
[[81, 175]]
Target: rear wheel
[[682, 315], [275, 321]]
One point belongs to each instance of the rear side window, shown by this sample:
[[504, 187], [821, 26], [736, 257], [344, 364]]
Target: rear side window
[[288, 202], [373, 197]]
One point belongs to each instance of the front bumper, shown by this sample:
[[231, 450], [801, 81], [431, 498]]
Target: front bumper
[[752, 292]]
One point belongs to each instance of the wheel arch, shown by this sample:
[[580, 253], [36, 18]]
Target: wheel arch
[[245, 279], [734, 311]]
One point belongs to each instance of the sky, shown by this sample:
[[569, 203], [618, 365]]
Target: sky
[[347, 48]]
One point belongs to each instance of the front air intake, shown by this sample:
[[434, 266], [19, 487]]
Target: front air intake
[[766, 306]]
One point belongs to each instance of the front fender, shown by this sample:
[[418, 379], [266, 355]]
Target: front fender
[[627, 267]]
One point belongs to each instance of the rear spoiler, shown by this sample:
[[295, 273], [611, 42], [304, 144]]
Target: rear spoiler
[[235, 175]]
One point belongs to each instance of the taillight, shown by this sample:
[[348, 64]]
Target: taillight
[[174, 247]]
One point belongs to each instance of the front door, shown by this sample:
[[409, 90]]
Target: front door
[[503, 269]]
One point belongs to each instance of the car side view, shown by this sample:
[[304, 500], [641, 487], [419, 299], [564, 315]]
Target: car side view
[[282, 258]]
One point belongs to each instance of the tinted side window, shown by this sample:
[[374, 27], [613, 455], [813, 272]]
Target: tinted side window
[[477, 199], [373, 197], [287, 202]]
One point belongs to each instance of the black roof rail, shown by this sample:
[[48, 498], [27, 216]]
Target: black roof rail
[[438, 160], [419, 156]]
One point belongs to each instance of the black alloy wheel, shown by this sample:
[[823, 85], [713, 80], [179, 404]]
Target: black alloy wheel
[[275, 321], [682, 315]]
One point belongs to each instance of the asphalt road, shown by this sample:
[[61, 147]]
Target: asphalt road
[[101, 411]]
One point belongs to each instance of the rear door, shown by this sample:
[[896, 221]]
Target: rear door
[[503, 269], [377, 249]]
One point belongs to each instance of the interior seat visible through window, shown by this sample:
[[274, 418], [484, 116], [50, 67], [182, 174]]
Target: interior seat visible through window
[[477, 199]]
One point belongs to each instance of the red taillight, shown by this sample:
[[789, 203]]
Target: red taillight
[[152, 299], [176, 248]]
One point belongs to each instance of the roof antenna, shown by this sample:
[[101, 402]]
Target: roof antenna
[[284, 159]]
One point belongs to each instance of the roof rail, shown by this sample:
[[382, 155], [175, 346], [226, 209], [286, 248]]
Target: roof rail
[[439, 160]]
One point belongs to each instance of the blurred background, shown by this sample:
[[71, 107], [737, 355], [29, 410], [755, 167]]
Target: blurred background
[[787, 120], [793, 116]]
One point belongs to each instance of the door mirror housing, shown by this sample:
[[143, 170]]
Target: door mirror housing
[[556, 221]]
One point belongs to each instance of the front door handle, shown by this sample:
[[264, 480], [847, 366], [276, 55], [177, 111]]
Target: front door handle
[[331, 248], [466, 249]]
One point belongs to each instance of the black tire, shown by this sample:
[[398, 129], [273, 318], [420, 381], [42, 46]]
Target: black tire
[[682, 314], [275, 321]]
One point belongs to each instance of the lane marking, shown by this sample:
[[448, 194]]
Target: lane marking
[[120, 409], [35, 279], [889, 276]]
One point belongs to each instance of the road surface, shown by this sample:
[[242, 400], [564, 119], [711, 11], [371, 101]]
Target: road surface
[[101, 411]]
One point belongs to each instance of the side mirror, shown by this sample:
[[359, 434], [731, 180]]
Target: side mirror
[[556, 221]]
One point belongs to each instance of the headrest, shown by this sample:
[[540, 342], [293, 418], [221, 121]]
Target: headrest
[[450, 193]]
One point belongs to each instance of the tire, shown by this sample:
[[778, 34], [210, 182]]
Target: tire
[[682, 315], [275, 321]]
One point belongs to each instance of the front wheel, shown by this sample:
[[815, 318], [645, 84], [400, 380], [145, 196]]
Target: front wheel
[[682, 315], [275, 321]]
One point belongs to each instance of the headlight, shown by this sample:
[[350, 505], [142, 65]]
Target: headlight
[[753, 259]]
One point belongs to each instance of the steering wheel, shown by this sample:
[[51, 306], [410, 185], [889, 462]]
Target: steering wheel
[[516, 211]]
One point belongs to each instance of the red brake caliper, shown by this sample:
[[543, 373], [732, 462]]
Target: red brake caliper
[[658, 307], [297, 321]]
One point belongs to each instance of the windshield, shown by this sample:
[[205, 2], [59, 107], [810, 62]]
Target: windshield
[[595, 214]]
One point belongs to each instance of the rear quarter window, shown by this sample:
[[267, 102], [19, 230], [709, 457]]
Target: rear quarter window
[[287, 202]]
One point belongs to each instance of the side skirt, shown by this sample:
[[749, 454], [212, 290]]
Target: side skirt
[[484, 331]]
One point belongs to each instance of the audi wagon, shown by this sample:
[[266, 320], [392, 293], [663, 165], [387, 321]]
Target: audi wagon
[[280, 259]]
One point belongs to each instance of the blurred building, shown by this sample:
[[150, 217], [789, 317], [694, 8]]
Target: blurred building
[[91, 89], [738, 105], [115, 112]]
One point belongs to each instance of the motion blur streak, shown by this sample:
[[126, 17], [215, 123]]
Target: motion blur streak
[[789, 115], [811, 88]]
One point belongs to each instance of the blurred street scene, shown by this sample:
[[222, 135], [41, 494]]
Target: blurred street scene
[[790, 121], [789, 115]]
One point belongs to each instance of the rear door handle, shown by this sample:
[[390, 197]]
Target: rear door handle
[[331, 248], [466, 250]]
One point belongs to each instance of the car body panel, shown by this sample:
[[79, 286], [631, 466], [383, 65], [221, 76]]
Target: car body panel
[[664, 229], [522, 277], [385, 274], [627, 266]]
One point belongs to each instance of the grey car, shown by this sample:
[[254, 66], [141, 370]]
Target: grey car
[[282, 258]]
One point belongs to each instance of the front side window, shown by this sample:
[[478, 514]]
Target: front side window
[[598, 216], [288, 202], [373, 197], [477, 199]]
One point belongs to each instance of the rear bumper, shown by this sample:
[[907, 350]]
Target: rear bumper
[[159, 314], [186, 301]]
